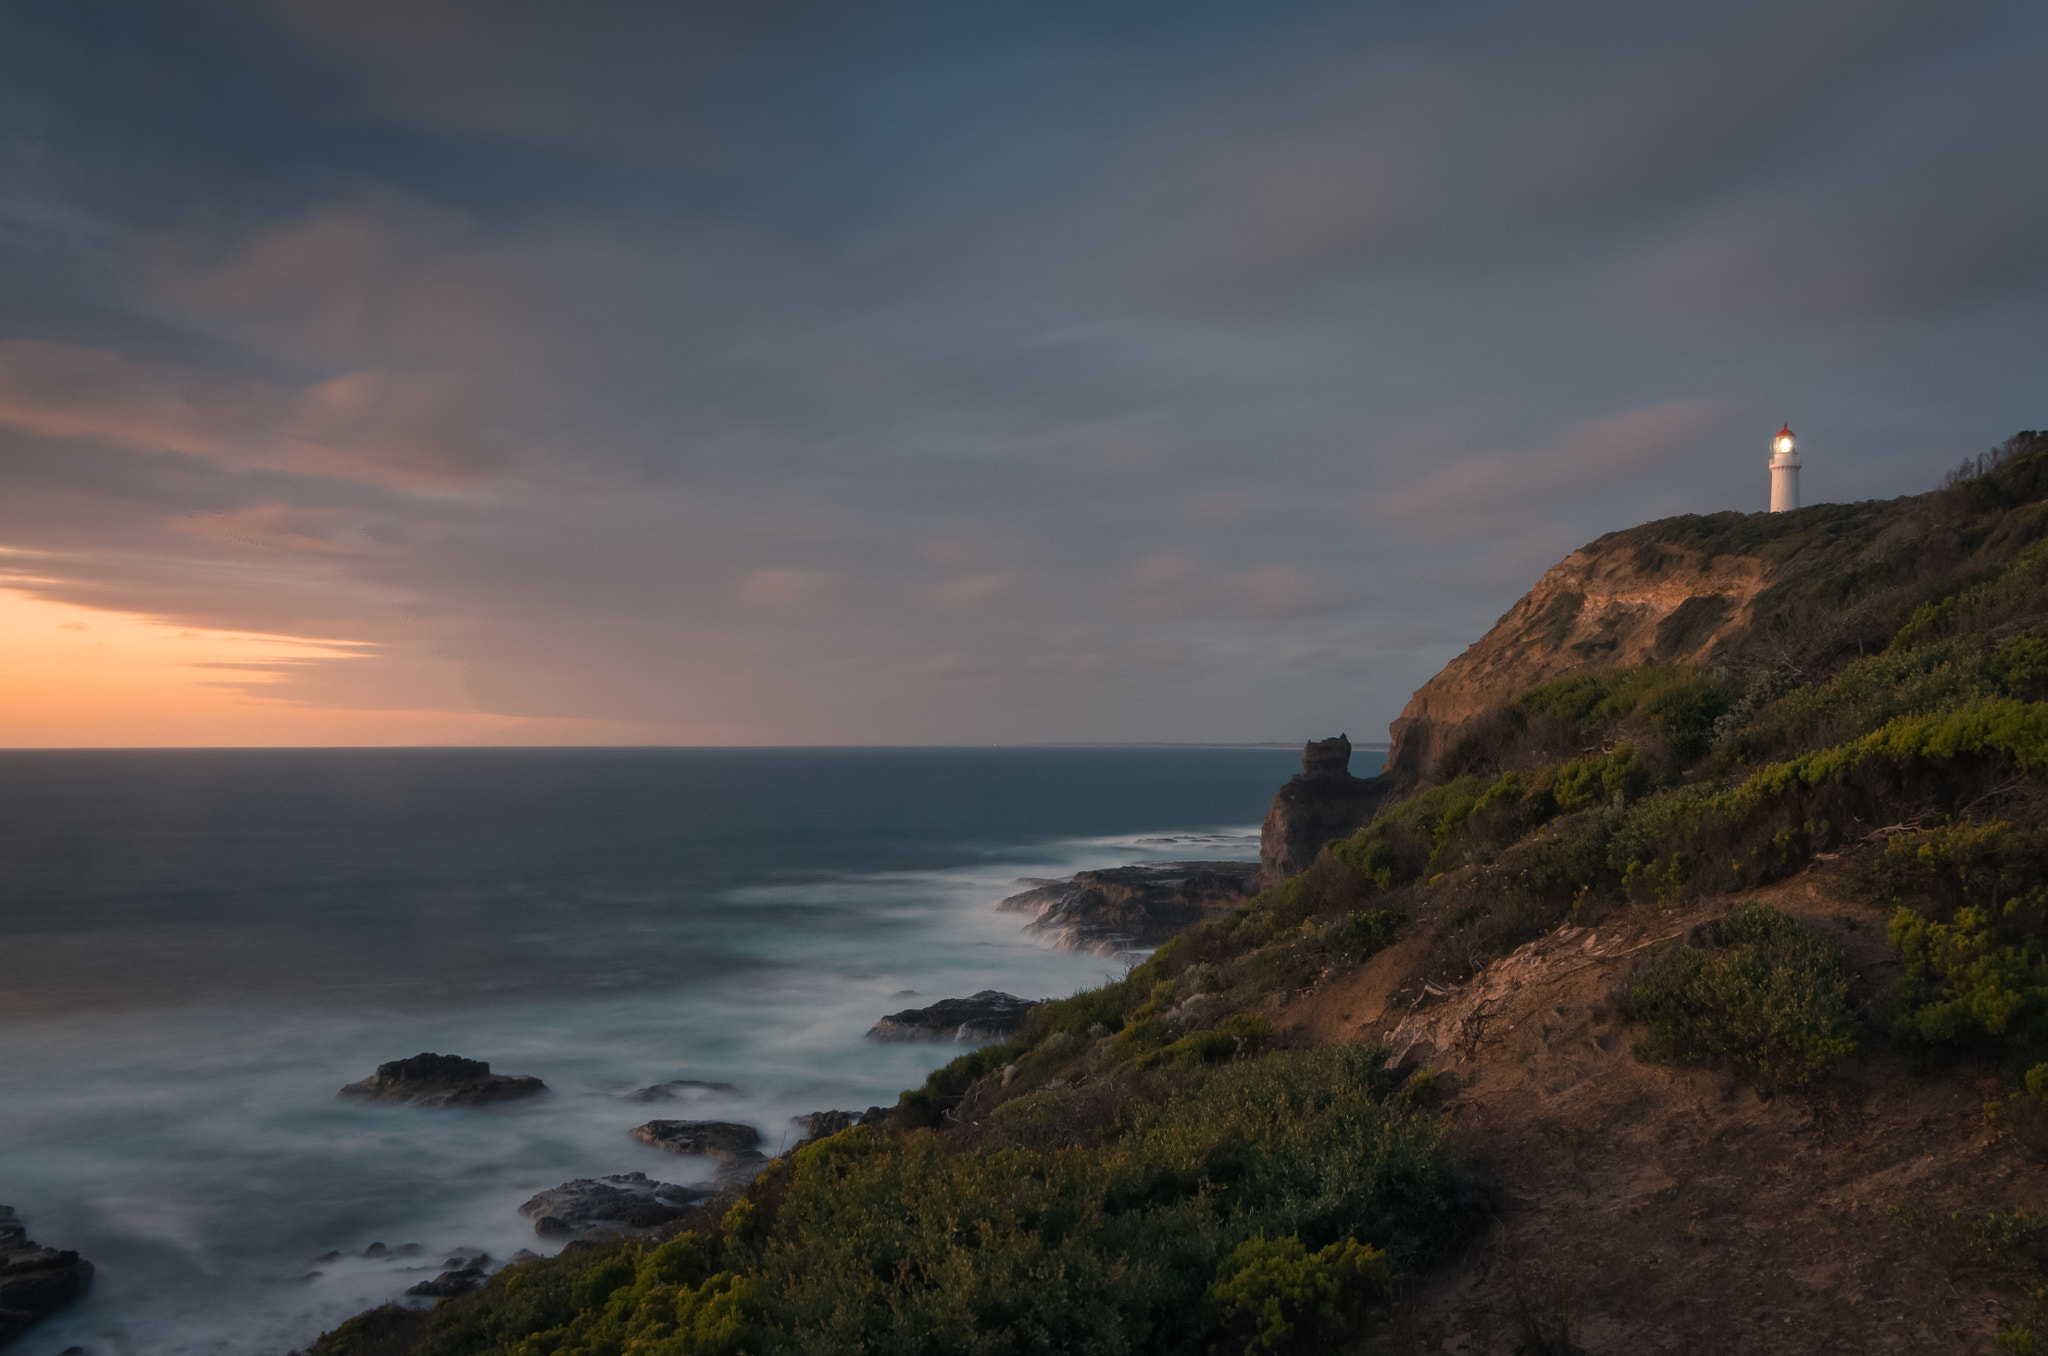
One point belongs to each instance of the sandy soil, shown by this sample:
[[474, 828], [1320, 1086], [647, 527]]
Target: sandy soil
[[1671, 1210]]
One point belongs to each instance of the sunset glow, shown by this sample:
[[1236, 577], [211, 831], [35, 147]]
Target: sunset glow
[[81, 677]]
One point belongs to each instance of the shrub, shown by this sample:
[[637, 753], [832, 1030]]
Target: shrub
[[1242, 1034], [1771, 999], [1278, 1297], [1366, 933], [1965, 984], [906, 1247]]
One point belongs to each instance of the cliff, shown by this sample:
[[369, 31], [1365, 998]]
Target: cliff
[[1605, 605]]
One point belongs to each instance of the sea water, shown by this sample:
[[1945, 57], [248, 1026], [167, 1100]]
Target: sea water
[[198, 948]]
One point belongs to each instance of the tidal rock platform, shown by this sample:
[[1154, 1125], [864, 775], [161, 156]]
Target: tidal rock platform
[[986, 1017], [1128, 908], [35, 1281]]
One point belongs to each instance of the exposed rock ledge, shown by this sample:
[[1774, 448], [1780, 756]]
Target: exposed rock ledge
[[986, 1017], [1130, 907], [35, 1281], [440, 1080]]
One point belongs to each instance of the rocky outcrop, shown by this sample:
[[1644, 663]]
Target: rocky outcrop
[[1322, 802], [35, 1281], [1615, 602], [987, 1017], [609, 1207], [1131, 907], [678, 1090], [463, 1275], [440, 1080], [735, 1148]]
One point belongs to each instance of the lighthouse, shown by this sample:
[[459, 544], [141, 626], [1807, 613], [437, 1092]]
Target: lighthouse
[[1784, 472]]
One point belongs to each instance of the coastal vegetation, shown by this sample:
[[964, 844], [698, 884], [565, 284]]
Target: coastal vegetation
[[1161, 1165]]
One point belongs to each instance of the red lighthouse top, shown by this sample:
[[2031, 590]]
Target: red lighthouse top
[[1784, 432]]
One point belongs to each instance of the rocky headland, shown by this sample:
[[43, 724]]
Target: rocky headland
[[35, 1281], [440, 1080], [1127, 908]]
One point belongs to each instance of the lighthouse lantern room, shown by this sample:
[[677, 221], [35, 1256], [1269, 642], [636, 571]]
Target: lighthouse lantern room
[[1784, 471]]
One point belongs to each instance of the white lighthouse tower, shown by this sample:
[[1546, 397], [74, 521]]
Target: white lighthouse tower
[[1784, 472]]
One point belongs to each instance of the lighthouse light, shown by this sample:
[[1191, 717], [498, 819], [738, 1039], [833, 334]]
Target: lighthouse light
[[1784, 444]]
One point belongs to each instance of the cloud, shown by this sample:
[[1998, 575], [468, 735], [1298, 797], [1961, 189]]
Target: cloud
[[1475, 495], [788, 588], [1176, 584], [1039, 374], [404, 431], [977, 591]]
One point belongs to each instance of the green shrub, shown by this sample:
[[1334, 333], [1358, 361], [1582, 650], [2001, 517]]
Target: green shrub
[[1365, 933], [1770, 999], [1242, 1034], [1967, 983], [1276, 1296], [906, 1247], [944, 1087]]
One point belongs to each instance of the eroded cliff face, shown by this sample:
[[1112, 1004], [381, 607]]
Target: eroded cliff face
[[1598, 608]]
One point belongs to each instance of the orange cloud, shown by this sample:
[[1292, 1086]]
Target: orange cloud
[[80, 678]]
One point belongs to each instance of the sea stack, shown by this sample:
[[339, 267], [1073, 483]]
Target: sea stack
[[1322, 802]]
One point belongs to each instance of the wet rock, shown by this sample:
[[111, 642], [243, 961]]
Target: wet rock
[[440, 1080], [1323, 802], [676, 1089], [1131, 907], [720, 1141], [986, 1017], [607, 1207], [35, 1281], [449, 1284]]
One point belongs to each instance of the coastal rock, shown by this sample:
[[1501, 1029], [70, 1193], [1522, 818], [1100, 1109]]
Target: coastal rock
[[720, 1141], [1131, 907], [1322, 802], [440, 1080], [607, 1207], [458, 1280], [678, 1089], [35, 1281], [816, 1125], [986, 1017]]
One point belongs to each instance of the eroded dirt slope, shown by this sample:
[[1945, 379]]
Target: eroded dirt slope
[[1676, 1210]]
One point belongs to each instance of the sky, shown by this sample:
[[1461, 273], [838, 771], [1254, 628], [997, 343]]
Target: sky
[[501, 372]]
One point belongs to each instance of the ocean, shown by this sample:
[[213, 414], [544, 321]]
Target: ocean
[[198, 948]]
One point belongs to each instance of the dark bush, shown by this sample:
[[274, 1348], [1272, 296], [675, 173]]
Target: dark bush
[[1771, 999]]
